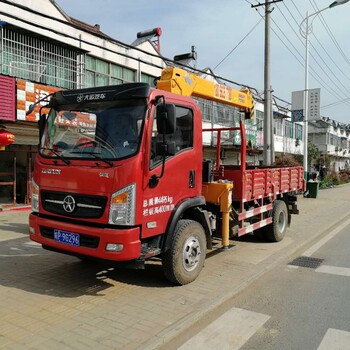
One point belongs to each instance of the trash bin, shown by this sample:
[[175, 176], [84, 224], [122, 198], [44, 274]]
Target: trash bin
[[312, 187]]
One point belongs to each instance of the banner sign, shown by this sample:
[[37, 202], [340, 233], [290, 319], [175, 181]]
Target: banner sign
[[27, 94]]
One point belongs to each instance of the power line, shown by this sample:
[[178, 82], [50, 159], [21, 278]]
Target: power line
[[337, 82], [313, 72], [335, 103], [238, 44], [331, 34], [300, 58], [316, 51]]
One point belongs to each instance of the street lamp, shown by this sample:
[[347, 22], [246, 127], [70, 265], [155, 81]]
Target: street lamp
[[305, 31]]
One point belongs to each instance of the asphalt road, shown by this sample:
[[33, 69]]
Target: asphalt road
[[53, 301], [302, 304]]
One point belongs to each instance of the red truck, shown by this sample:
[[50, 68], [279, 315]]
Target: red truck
[[120, 177]]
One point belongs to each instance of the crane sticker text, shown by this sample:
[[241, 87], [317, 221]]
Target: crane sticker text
[[157, 205], [223, 92]]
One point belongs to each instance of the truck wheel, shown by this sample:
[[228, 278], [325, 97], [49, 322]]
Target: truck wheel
[[276, 231], [183, 262]]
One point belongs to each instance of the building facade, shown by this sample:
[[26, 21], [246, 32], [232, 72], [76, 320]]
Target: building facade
[[332, 140], [44, 50]]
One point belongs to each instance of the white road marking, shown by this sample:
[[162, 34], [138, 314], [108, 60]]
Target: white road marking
[[334, 270], [230, 331], [32, 244], [336, 340], [16, 256], [325, 239]]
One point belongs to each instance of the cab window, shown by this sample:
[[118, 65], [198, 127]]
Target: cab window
[[183, 135]]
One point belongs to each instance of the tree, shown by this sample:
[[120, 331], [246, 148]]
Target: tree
[[312, 152]]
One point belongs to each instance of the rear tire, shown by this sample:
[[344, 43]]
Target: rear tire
[[183, 262], [276, 231]]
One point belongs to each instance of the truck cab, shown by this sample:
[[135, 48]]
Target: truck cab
[[117, 166]]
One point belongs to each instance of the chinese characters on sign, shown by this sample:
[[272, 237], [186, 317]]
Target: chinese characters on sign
[[157, 205], [223, 92], [314, 104]]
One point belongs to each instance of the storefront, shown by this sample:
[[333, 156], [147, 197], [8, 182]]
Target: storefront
[[17, 159]]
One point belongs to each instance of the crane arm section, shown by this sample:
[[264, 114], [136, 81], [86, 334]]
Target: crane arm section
[[179, 81]]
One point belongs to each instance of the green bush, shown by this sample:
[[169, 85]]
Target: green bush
[[326, 182], [334, 179]]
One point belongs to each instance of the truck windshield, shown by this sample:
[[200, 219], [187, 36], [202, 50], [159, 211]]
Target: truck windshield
[[108, 130]]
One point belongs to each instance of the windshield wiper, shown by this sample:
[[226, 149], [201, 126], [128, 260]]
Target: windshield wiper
[[56, 153], [96, 156]]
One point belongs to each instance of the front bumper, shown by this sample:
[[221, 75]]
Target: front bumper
[[93, 239]]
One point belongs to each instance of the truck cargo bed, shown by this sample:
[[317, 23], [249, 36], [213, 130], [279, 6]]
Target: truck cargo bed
[[258, 182]]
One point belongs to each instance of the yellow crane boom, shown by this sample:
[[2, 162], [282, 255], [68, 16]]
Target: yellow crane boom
[[181, 82]]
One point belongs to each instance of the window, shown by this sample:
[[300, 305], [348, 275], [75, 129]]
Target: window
[[224, 114], [259, 117], [145, 78], [182, 137], [218, 113], [298, 131], [99, 73], [206, 108], [34, 58], [288, 129]]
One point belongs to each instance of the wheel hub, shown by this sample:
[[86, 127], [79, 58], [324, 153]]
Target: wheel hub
[[191, 253], [281, 222]]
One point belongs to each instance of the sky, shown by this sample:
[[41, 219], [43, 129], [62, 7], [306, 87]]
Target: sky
[[229, 38]]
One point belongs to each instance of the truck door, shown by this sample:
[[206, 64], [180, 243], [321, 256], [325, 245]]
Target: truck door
[[180, 178]]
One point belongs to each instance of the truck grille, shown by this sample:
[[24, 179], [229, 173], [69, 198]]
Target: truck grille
[[85, 240], [73, 205]]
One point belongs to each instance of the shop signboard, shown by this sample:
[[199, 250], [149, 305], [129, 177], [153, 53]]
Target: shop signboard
[[251, 133], [27, 94]]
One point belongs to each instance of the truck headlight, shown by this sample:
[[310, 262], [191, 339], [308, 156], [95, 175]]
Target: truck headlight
[[122, 208], [35, 196]]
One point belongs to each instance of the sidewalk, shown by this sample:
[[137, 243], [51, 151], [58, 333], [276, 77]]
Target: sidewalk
[[52, 301]]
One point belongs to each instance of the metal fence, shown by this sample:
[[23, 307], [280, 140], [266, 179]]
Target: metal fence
[[34, 58]]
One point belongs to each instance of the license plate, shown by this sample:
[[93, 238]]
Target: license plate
[[67, 237]]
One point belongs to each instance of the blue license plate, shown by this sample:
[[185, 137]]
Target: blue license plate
[[67, 237]]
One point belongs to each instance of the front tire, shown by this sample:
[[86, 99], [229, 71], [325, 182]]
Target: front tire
[[183, 262], [277, 230]]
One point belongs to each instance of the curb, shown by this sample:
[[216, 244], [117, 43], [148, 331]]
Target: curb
[[15, 209]]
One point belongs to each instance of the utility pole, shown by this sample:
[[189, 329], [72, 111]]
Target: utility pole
[[268, 120], [267, 92]]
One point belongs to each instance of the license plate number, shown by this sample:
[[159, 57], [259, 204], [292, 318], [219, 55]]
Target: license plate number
[[67, 237]]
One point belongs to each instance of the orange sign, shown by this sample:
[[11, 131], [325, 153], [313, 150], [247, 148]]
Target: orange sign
[[27, 94]]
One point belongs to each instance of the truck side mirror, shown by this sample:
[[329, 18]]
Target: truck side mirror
[[168, 148], [166, 119], [41, 124]]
